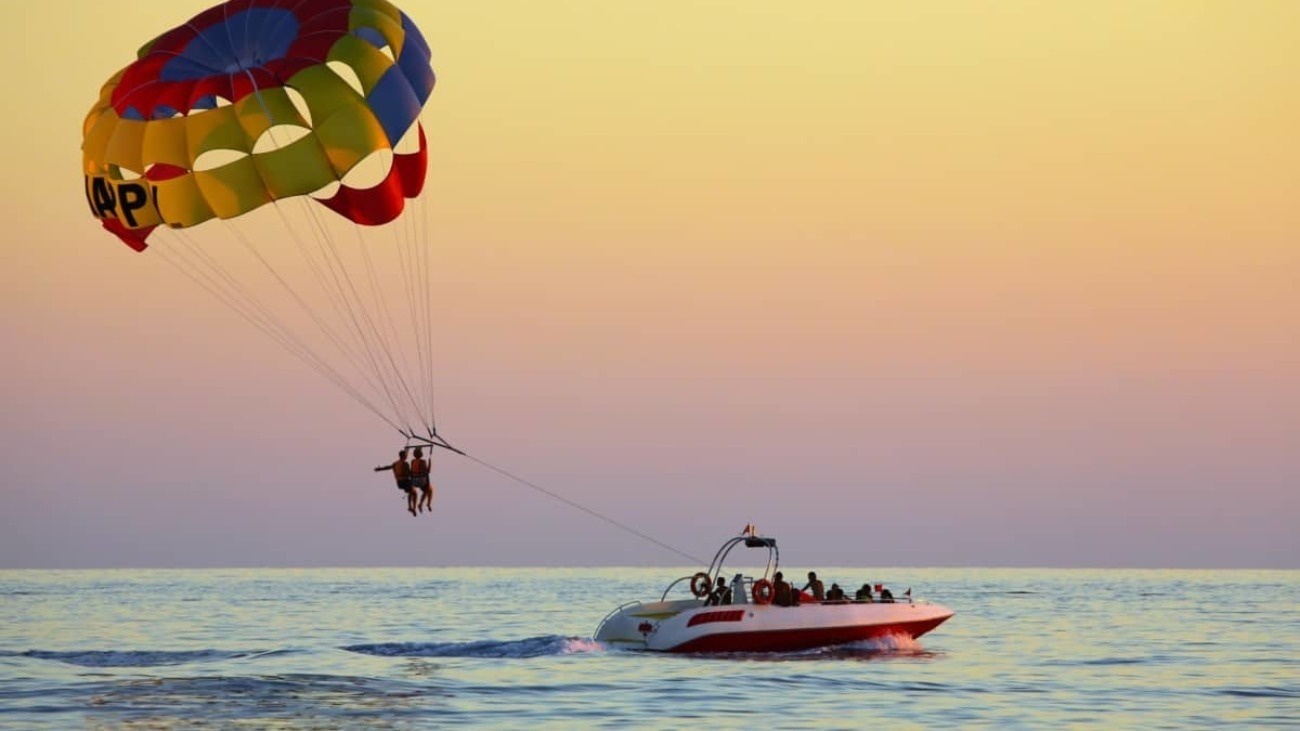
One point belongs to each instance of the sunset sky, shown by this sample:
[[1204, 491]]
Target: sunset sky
[[939, 284]]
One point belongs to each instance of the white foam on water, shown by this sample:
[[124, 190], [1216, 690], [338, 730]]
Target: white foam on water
[[901, 643], [572, 645]]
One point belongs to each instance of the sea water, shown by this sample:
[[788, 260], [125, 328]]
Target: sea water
[[512, 648]]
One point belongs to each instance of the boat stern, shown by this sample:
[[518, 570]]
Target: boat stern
[[632, 624]]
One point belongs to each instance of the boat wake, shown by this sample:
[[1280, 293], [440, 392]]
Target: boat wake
[[888, 647], [131, 658], [900, 644], [531, 647]]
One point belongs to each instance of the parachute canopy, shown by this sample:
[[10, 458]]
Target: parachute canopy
[[252, 113], [254, 101]]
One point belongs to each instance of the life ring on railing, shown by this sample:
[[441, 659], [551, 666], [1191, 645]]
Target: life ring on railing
[[701, 585], [763, 591]]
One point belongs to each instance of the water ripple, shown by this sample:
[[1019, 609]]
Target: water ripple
[[130, 658], [531, 647], [507, 648]]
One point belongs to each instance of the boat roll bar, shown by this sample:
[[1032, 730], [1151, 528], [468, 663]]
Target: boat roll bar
[[773, 553], [750, 541]]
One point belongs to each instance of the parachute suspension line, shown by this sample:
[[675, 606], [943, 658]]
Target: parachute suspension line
[[386, 317], [405, 242], [228, 292], [426, 239], [352, 357], [356, 310], [393, 373], [405, 265], [357, 354], [272, 329], [328, 279], [382, 308], [236, 290], [335, 297], [273, 30], [573, 504], [236, 293], [244, 37], [342, 308], [351, 354], [419, 240], [379, 372]]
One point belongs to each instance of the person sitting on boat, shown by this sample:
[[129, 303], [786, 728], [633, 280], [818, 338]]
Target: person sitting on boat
[[721, 595], [864, 594], [738, 589], [402, 473], [706, 588], [836, 594], [886, 596], [781, 591], [815, 584]]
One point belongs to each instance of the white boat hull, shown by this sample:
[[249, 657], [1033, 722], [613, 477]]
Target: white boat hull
[[685, 626]]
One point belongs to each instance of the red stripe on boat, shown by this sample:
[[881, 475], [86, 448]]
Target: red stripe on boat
[[793, 640], [733, 615]]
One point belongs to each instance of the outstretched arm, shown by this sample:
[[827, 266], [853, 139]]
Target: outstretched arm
[[383, 468]]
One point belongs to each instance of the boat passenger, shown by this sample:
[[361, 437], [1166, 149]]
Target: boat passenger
[[711, 595], [815, 584], [836, 594], [721, 595], [886, 596], [864, 594], [706, 591], [738, 589], [781, 591]]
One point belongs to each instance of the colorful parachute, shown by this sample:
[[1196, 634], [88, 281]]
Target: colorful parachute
[[252, 112], [291, 94]]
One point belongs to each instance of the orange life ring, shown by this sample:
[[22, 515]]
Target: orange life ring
[[701, 584], [763, 591]]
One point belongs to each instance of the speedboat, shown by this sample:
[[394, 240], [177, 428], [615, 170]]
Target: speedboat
[[753, 621]]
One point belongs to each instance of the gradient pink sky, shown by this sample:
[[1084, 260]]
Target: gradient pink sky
[[903, 285]]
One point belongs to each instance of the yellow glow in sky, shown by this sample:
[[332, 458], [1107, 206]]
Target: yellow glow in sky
[[1047, 248]]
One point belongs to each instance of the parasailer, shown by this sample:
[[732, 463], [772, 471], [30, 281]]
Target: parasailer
[[401, 470], [420, 469], [229, 131]]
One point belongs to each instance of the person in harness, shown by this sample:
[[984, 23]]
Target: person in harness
[[402, 473], [420, 481]]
